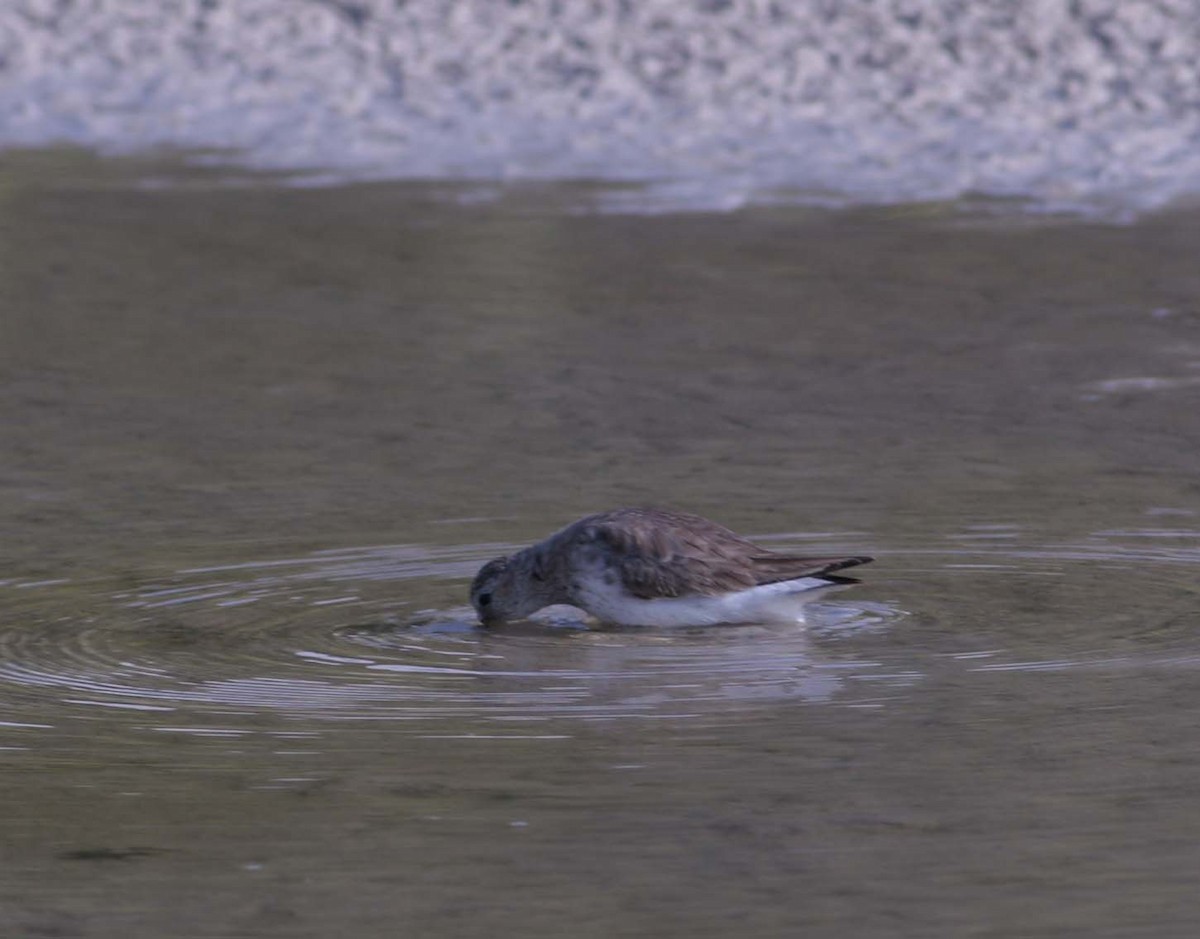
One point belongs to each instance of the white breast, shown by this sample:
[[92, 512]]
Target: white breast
[[771, 603]]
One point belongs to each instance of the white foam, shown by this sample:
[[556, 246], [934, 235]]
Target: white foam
[[717, 103]]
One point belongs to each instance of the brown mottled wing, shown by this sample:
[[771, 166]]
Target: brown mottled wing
[[671, 554]]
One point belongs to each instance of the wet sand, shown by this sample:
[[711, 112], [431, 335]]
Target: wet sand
[[228, 378]]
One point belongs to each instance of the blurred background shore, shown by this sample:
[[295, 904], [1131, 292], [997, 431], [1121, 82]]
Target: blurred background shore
[[1087, 105]]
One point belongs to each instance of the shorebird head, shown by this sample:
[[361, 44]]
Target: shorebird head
[[501, 591]]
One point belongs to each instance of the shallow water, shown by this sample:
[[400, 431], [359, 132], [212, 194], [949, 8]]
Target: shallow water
[[256, 441]]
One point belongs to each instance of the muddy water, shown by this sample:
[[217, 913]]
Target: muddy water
[[256, 440]]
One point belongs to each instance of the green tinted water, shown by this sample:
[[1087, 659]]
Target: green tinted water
[[255, 441]]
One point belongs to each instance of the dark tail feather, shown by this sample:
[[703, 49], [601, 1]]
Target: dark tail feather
[[772, 568], [840, 580]]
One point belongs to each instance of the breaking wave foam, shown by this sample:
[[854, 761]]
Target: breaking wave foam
[[1066, 103]]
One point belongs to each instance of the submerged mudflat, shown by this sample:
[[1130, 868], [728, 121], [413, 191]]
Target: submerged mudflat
[[256, 440]]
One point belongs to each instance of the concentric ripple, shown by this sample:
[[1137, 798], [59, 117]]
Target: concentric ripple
[[375, 634]]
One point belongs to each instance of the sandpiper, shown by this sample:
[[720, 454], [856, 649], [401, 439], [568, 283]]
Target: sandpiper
[[653, 567]]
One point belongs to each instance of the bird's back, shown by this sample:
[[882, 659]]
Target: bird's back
[[659, 553]]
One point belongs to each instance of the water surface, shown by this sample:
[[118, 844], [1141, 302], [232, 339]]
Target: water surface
[[257, 440]]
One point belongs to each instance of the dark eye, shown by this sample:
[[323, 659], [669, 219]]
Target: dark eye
[[484, 599]]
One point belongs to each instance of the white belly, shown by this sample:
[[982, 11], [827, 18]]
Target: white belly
[[770, 603]]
